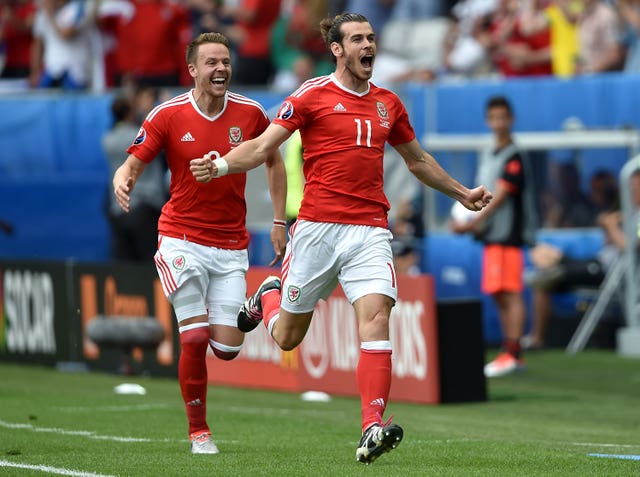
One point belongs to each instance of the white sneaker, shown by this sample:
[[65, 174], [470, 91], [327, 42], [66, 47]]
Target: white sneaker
[[203, 444], [504, 364]]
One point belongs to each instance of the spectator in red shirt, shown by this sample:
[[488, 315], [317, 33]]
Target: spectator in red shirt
[[254, 20], [512, 52], [16, 23], [151, 43]]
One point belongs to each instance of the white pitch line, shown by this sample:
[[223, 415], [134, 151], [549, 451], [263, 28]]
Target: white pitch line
[[52, 470], [93, 435], [89, 434], [597, 444]]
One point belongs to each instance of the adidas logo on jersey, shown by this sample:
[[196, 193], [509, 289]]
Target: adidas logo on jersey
[[339, 107], [187, 138]]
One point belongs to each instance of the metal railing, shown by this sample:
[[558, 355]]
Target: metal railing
[[631, 232]]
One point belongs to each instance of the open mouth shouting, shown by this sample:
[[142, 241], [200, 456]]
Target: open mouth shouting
[[367, 62]]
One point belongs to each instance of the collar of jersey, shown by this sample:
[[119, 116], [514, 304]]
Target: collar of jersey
[[192, 99], [344, 88]]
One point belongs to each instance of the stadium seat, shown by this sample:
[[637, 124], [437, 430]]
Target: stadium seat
[[426, 42], [418, 42]]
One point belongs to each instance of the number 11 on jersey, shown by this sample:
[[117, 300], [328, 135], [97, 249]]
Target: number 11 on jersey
[[359, 131]]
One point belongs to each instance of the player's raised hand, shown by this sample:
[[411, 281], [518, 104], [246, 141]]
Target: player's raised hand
[[203, 169], [122, 191]]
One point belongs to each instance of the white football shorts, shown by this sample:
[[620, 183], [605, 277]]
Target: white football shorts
[[200, 280], [320, 255]]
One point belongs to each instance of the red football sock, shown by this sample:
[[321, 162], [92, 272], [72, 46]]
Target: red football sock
[[374, 382], [270, 305], [513, 348], [192, 375]]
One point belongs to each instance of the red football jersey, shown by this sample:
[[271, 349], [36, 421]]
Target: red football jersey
[[18, 35], [343, 139], [213, 213]]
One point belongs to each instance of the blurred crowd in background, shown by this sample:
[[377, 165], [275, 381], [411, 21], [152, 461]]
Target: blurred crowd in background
[[100, 44]]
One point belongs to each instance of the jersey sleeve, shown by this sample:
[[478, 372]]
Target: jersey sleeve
[[292, 113], [262, 122], [149, 141], [402, 132], [512, 177]]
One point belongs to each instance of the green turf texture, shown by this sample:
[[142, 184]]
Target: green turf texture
[[543, 422]]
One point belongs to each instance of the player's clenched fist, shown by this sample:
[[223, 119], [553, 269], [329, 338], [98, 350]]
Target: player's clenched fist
[[202, 168]]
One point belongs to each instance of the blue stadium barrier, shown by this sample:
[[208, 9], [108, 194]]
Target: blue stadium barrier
[[55, 219], [574, 243], [50, 135]]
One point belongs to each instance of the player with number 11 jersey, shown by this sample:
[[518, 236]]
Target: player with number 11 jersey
[[344, 172], [341, 234]]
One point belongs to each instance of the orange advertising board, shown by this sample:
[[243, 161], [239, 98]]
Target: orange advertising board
[[131, 291], [327, 358]]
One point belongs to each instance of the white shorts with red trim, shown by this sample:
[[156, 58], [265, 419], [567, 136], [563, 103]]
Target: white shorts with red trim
[[200, 280], [320, 255]]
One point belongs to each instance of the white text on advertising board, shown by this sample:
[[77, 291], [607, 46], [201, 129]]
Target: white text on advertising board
[[29, 311]]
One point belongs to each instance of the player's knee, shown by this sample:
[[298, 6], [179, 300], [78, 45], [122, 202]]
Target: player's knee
[[289, 333], [287, 342], [225, 355], [224, 352], [288, 346]]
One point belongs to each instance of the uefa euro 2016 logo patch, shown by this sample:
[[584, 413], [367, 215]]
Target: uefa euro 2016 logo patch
[[235, 135], [285, 111], [179, 263], [293, 293], [142, 135]]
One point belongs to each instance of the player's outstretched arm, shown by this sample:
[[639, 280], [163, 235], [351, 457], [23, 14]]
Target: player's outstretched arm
[[277, 179], [247, 156], [124, 179], [429, 172]]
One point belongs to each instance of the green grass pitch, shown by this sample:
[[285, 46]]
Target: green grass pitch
[[544, 422]]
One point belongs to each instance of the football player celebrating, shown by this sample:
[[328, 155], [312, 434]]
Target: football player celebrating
[[202, 255], [342, 233]]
